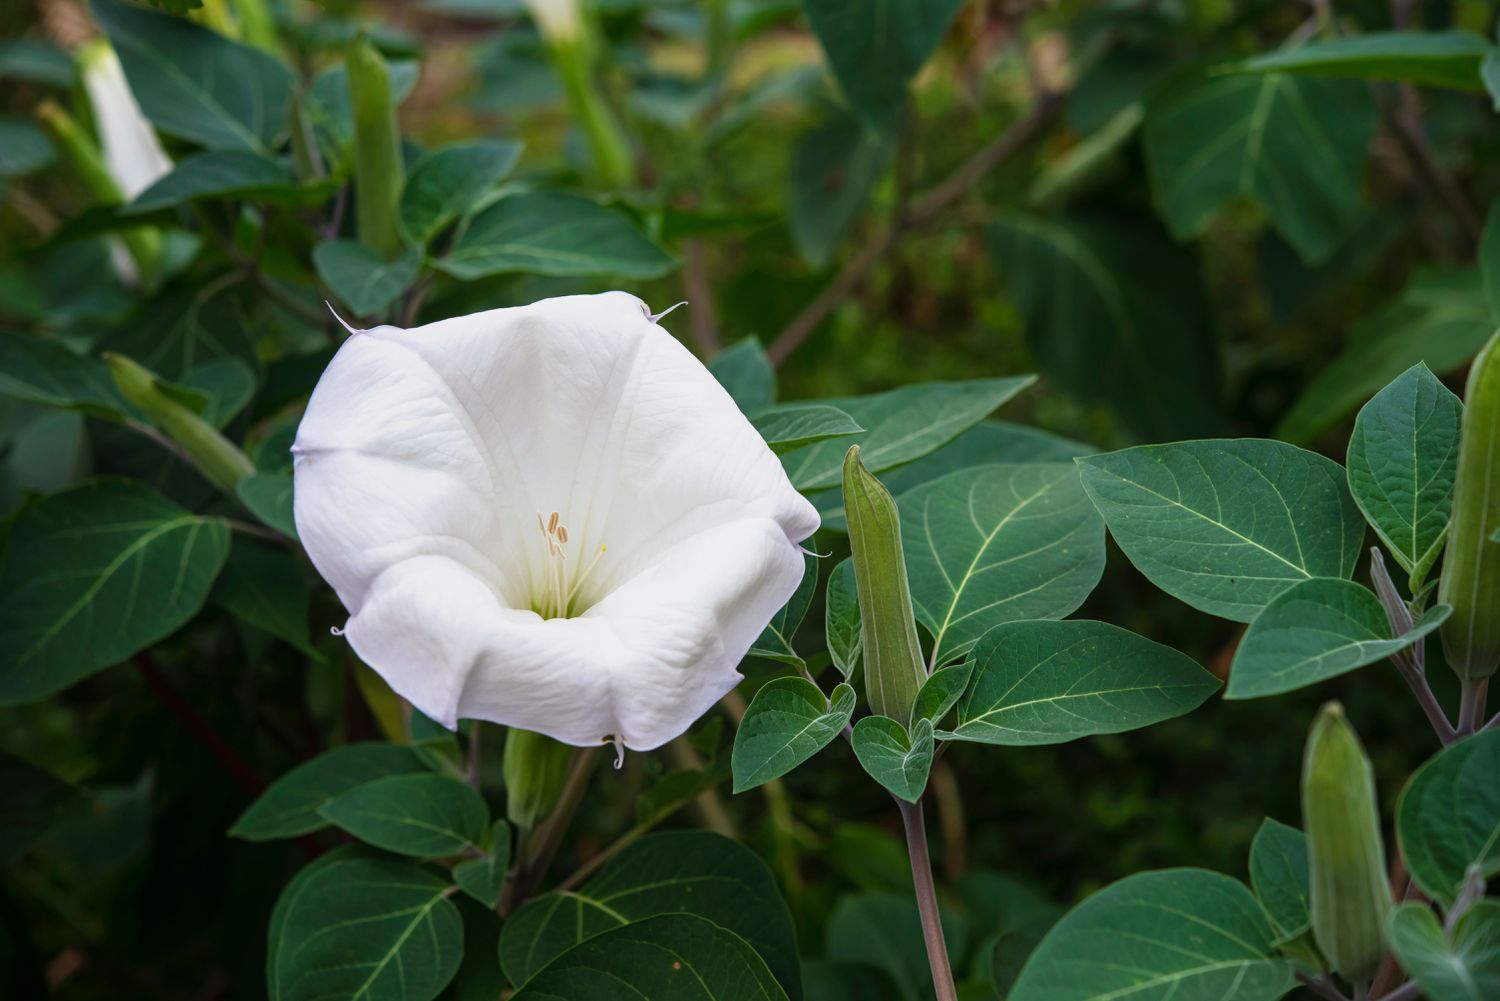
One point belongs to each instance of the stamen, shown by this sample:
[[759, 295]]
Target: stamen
[[577, 584], [562, 534], [560, 591]]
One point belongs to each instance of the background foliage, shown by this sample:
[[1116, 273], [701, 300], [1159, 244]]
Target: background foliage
[[988, 189]]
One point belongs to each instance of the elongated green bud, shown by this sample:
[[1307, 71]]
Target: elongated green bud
[[1471, 558], [888, 634], [378, 171], [536, 770], [215, 456], [1346, 854]]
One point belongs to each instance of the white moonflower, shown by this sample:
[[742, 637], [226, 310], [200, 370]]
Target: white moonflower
[[548, 516], [558, 20], [132, 153]]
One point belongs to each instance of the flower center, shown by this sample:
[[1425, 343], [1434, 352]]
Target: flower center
[[558, 597]]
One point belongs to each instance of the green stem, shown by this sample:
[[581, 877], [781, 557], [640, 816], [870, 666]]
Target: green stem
[[548, 838], [613, 161]]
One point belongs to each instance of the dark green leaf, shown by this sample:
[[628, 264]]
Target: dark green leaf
[[673, 957], [1433, 58], [875, 47], [36, 61], [484, 878], [941, 692], [833, 168], [32, 801], [365, 281], [788, 721], [44, 372], [549, 233], [269, 498], [1095, 288], [365, 928], [841, 626], [1441, 318], [1279, 873], [223, 173], [94, 574], [1180, 934], [895, 760], [902, 425], [1448, 817], [1227, 525], [678, 872], [1462, 967], [996, 544], [1402, 460], [1296, 146], [792, 425], [226, 384], [196, 84], [176, 334], [328, 106], [263, 586], [884, 931], [450, 181], [1315, 630], [423, 814], [290, 806], [1049, 682], [24, 148], [746, 373]]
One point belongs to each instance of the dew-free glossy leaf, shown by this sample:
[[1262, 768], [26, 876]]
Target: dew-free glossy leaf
[[196, 84], [227, 385], [1041, 682], [1295, 145], [1403, 457], [793, 425], [423, 814], [876, 46], [92, 575], [672, 957], [221, 173], [1227, 525], [897, 761], [269, 498], [841, 627], [678, 872], [263, 586], [1171, 935], [996, 544], [1316, 630], [1448, 817], [1279, 873], [775, 641], [450, 181], [747, 374], [365, 281], [290, 805], [483, 878], [788, 721], [36, 370], [941, 692], [1462, 967], [1096, 287], [367, 929], [1431, 58], [1441, 318], [833, 168], [550, 233], [901, 425]]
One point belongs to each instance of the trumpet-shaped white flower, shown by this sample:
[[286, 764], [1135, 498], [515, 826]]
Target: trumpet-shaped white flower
[[132, 152], [549, 516]]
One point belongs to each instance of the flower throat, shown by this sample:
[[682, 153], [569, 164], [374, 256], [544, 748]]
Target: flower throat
[[559, 596]]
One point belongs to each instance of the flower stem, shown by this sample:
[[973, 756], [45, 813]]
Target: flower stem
[[1471, 705], [927, 905], [524, 878]]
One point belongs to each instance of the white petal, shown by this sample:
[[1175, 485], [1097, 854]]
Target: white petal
[[426, 457], [132, 152]]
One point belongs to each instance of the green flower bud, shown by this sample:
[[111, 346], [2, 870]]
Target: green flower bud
[[1471, 558], [1346, 854], [536, 769], [888, 634], [378, 171], [215, 456]]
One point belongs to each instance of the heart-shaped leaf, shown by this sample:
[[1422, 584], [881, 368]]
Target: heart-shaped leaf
[[423, 814], [788, 722], [897, 761], [1448, 817]]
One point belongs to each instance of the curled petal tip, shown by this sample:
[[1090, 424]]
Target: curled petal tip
[[342, 322], [656, 317]]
